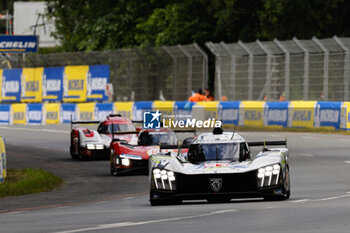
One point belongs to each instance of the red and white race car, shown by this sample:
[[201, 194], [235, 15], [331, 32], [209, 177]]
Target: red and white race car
[[126, 157], [87, 143]]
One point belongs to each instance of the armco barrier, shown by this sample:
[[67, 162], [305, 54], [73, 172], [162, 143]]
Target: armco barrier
[[3, 171], [307, 114]]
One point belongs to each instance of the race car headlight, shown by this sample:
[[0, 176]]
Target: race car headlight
[[164, 179], [269, 175], [95, 147], [99, 147], [125, 162], [90, 146]]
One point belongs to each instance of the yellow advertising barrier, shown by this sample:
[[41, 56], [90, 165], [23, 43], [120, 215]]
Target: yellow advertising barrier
[[124, 108], [51, 113], [252, 112], [3, 171], [165, 107], [19, 113], [32, 88], [210, 109], [301, 114], [75, 83], [1, 71], [345, 116], [86, 111]]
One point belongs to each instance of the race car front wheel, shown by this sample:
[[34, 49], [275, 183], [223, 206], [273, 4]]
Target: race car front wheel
[[156, 202], [285, 189], [114, 172]]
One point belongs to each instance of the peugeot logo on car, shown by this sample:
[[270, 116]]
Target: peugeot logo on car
[[215, 184]]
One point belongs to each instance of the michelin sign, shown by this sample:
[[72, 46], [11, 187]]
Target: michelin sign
[[18, 44]]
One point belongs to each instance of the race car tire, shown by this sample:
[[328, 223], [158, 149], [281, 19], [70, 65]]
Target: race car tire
[[285, 189], [157, 202], [113, 171], [74, 156], [219, 200], [164, 202]]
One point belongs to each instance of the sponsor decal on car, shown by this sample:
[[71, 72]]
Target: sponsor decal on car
[[129, 156]]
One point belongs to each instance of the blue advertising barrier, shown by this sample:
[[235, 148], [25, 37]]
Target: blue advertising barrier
[[139, 108], [183, 110], [328, 114], [34, 114], [276, 113], [53, 84], [102, 110], [67, 112], [98, 77], [11, 85], [5, 115], [18, 44], [228, 112]]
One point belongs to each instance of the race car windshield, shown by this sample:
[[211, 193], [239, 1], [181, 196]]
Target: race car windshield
[[156, 138], [214, 152], [107, 129]]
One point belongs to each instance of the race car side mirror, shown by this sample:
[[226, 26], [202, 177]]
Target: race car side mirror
[[188, 141]]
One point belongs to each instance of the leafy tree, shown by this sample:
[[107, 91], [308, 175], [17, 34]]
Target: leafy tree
[[111, 24]]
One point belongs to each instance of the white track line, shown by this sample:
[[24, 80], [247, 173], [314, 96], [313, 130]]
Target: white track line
[[306, 154], [302, 200], [347, 161], [309, 137], [36, 130], [128, 224], [128, 198], [16, 212], [101, 202], [333, 198]]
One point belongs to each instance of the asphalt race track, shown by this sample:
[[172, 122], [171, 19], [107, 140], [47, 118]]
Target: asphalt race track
[[91, 200]]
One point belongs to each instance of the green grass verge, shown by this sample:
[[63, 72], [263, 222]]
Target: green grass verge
[[27, 181]]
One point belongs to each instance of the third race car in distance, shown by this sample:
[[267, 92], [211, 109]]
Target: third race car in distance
[[218, 167], [88, 143], [126, 157]]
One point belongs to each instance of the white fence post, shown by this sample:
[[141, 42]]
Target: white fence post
[[325, 67], [189, 70], [167, 50], [205, 65], [306, 69], [210, 46], [286, 68], [346, 67], [233, 66], [250, 70], [268, 70]]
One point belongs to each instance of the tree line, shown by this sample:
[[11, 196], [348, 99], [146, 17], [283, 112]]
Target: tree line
[[84, 25]]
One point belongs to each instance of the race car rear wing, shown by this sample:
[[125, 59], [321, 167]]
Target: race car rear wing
[[125, 132], [169, 147], [80, 122], [268, 143]]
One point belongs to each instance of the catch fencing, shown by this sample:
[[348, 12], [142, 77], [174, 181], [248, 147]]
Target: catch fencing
[[316, 69], [168, 72]]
